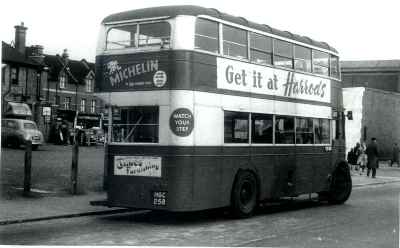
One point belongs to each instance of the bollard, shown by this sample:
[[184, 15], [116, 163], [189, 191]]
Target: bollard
[[28, 168], [105, 184], [74, 168]]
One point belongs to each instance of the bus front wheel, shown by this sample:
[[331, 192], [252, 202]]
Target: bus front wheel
[[244, 195], [341, 185]]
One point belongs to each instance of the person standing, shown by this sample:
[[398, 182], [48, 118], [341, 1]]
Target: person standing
[[372, 154], [395, 155]]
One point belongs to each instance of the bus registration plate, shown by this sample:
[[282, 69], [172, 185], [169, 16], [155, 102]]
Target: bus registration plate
[[159, 198], [145, 166]]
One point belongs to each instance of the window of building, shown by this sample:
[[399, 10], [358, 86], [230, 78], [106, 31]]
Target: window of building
[[302, 58], [283, 54], [83, 105], [234, 42], [57, 100], [262, 128], [63, 80], [93, 106], [236, 127], [320, 63], [89, 84], [260, 49], [14, 76], [284, 129], [322, 131], [304, 130], [206, 35], [156, 34], [334, 69], [67, 103], [137, 125]]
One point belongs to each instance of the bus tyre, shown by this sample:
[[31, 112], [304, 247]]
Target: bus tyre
[[244, 195], [341, 185]]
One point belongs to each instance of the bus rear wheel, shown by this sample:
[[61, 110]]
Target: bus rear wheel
[[341, 185], [244, 195]]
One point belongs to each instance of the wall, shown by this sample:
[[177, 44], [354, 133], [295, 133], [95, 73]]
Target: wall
[[377, 111]]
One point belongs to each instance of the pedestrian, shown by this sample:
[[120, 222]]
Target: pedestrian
[[372, 153], [395, 155], [362, 161], [350, 158], [357, 153]]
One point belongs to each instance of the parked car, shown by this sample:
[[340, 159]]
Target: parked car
[[15, 132], [90, 136]]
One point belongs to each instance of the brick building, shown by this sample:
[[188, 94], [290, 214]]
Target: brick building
[[47, 84], [372, 93]]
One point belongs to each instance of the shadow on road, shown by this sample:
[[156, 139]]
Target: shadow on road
[[207, 216]]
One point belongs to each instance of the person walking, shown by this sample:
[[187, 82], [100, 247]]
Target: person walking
[[372, 154], [395, 155]]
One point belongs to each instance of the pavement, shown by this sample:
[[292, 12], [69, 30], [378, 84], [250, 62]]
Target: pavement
[[42, 205]]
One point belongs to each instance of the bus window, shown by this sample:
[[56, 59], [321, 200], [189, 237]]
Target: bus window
[[154, 34], [304, 131], [284, 130], [207, 35], [283, 54], [262, 128], [236, 127], [136, 125], [334, 66], [121, 37], [234, 42], [322, 131], [260, 49], [302, 58], [320, 63]]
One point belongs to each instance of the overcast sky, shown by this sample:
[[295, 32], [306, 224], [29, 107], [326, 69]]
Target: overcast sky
[[358, 29]]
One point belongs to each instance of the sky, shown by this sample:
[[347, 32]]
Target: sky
[[359, 30]]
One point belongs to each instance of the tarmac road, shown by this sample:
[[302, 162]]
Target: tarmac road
[[370, 218]]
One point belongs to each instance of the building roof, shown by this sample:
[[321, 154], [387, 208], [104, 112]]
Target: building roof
[[370, 65], [77, 70], [172, 11], [13, 56]]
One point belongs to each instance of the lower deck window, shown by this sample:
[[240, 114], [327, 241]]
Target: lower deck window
[[275, 129], [284, 130], [136, 125], [236, 127]]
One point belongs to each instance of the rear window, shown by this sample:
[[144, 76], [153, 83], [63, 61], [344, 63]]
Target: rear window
[[28, 125], [139, 35]]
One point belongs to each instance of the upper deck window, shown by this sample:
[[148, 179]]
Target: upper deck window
[[320, 63], [235, 42], [206, 35], [156, 34], [283, 53], [302, 58], [260, 49], [334, 69]]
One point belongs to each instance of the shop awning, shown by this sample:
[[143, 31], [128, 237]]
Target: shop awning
[[18, 109]]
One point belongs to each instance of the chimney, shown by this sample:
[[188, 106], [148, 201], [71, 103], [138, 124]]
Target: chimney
[[65, 55], [20, 37], [36, 53]]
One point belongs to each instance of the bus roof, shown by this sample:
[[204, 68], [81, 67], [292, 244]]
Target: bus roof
[[172, 11]]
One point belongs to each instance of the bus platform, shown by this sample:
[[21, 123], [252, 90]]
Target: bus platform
[[42, 206]]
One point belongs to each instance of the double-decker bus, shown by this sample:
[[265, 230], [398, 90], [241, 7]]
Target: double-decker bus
[[209, 110]]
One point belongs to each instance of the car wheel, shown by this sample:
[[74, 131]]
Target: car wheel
[[35, 147], [14, 143], [244, 195]]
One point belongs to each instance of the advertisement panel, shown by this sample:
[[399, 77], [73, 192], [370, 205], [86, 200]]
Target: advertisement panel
[[240, 76], [145, 166]]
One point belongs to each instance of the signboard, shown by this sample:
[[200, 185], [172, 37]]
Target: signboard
[[245, 77], [181, 122], [46, 111], [123, 73], [145, 166]]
